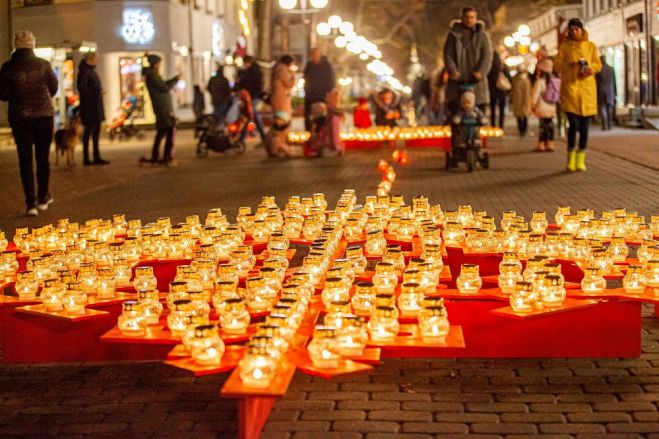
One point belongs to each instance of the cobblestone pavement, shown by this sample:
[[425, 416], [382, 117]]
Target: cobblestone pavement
[[413, 398]]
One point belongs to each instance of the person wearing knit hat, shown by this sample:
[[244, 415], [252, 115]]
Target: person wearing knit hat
[[29, 84], [577, 63], [543, 103]]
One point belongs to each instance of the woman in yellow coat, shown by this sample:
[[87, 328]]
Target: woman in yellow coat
[[576, 63]]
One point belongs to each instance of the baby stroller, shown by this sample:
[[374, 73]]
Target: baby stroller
[[223, 135], [466, 145], [123, 125]]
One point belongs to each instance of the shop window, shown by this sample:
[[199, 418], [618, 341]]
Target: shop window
[[132, 85]]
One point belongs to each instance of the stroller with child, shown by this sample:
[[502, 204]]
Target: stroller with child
[[123, 126], [226, 136], [466, 145]]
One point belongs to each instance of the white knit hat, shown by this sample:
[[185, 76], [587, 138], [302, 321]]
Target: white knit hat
[[23, 39]]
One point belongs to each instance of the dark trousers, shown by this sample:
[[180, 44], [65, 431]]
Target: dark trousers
[[169, 143], [546, 129], [578, 124], [33, 138], [91, 130], [497, 102], [522, 125], [606, 115]]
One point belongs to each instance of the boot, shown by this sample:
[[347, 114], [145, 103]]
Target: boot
[[581, 161], [550, 146], [572, 161], [540, 147]]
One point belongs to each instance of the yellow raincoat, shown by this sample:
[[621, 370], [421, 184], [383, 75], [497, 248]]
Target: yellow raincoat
[[578, 95]]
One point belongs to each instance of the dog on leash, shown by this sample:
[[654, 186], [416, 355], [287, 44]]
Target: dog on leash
[[66, 140]]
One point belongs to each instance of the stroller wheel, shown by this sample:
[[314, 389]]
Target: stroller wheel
[[485, 161]]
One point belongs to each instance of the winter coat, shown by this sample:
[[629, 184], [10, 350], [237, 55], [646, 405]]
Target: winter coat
[[161, 100], [361, 116], [29, 84], [251, 79], [578, 95], [219, 89], [498, 67], [282, 82], [381, 111], [468, 51], [521, 95], [91, 95], [606, 85], [319, 79], [540, 107]]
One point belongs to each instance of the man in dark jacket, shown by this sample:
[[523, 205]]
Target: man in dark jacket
[[91, 107], [220, 91], [161, 101], [606, 94], [468, 58], [319, 79], [29, 84], [497, 96], [250, 78]]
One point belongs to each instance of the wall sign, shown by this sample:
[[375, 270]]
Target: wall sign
[[138, 26]]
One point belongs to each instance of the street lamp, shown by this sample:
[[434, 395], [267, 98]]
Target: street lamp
[[323, 29], [334, 21]]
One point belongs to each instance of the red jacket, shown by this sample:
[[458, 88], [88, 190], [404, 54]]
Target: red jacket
[[361, 117]]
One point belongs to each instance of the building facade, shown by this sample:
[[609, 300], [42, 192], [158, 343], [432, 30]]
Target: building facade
[[189, 35], [546, 27], [627, 34]]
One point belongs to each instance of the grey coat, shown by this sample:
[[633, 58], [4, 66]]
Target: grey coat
[[606, 85], [468, 51]]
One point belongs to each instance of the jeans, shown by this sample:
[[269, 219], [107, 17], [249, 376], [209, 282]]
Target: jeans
[[169, 143], [578, 124], [546, 129], [606, 114], [500, 103], [257, 120], [93, 131], [522, 125], [34, 133]]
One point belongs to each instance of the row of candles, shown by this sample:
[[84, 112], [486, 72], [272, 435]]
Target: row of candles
[[385, 133]]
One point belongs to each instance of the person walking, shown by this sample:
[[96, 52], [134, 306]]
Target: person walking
[[541, 107], [468, 59], [437, 110], [282, 82], [576, 63], [29, 84], [91, 108], [521, 99], [220, 91], [161, 101], [250, 78], [319, 79], [606, 94], [499, 81]]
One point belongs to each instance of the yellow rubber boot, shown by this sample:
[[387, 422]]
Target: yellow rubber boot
[[572, 161], [581, 161]]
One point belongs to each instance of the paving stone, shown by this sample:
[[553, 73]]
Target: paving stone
[[435, 427], [433, 406], [624, 406], [532, 417], [560, 407], [368, 405], [505, 428], [466, 417], [326, 435], [366, 426], [297, 426], [635, 427], [599, 417], [334, 415], [400, 415], [496, 407], [572, 428], [339, 396]]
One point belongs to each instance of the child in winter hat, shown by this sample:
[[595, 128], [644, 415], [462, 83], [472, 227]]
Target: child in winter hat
[[24, 39]]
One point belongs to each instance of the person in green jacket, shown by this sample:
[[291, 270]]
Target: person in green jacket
[[161, 101]]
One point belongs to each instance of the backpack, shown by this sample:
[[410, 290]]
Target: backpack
[[552, 93]]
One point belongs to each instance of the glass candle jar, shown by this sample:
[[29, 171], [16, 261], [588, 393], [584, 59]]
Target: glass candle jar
[[206, 346], [634, 282], [106, 284], [561, 212], [234, 319], [256, 297], [383, 325], [356, 256], [553, 293], [177, 320], [523, 299], [335, 290], [433, 325], [618, 250], [507, 218], [409, 299], [257, 367], [652, 274], [509, 275], [74, 299], [385, 279], [336, 312], [352, 337], [593, 282], [453, 234], [375, 243], [144, 279], [363, 299], [51, 295], [539, 222], [533, 266], [131, 321], [600, 258], [149, 301], [26, 285], [323, 348], [469, 280], [87, 277]]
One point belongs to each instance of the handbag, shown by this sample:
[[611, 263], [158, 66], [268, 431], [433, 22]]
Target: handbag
[[503, 83]]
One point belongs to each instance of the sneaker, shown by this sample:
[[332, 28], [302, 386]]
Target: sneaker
[[32, 211], [47, 202]]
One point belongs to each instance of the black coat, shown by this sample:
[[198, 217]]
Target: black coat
[[319, 79], [29, 84], [606, 85], [251, 79], [161, 100], [91, 95], [497, 67], [219, 89]]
